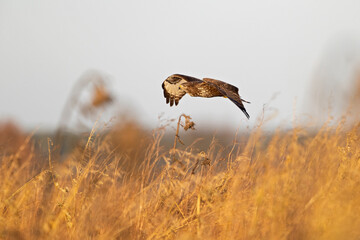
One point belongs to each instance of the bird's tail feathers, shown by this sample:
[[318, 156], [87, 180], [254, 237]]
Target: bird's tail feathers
[[245, 100]]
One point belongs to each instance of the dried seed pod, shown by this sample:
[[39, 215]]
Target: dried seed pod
[[101, 96]]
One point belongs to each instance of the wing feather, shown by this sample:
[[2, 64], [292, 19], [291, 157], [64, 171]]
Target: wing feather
[[222, 84], [230, 92]]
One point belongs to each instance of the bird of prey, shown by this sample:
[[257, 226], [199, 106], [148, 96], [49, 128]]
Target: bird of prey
[[177, 85]]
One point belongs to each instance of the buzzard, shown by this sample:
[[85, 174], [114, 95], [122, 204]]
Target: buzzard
[[177, 85]]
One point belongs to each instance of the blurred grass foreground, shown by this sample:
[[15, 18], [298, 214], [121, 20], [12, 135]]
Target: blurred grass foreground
[[124, 182]]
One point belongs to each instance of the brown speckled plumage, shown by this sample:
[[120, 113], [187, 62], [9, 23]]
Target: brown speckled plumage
[[177, 85]]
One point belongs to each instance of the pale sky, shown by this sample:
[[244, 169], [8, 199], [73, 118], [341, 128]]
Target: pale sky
[[262, 47]]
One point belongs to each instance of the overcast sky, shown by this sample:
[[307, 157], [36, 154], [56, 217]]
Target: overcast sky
[[263, 47]]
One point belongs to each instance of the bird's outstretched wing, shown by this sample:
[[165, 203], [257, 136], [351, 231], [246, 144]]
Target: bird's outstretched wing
[[230, 92], [171, 86]]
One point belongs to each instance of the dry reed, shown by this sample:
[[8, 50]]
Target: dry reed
[[295, 186], [123, 183]]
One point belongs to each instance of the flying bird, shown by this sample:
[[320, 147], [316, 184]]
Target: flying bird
[[177, 85]]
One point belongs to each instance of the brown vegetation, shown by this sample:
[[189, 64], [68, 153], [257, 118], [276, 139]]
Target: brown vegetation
[[295, 186], [125, 182]]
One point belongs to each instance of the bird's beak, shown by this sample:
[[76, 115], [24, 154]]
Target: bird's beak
[[181, 87]]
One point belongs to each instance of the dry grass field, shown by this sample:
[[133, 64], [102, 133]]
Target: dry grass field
[[123, 183]]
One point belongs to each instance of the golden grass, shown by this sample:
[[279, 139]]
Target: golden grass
[[125, 184], [296, 185]]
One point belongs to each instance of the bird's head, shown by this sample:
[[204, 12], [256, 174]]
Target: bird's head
[[185, 87], [173, 78]]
